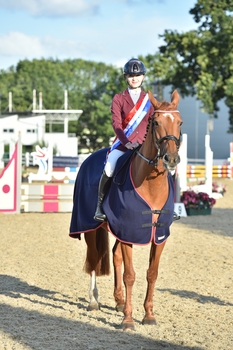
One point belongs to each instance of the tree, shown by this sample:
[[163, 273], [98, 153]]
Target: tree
[[90, 87], [95, 124], [201, 61], [7, 82]]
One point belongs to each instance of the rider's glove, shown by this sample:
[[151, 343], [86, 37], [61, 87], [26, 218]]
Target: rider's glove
[[131, 145]]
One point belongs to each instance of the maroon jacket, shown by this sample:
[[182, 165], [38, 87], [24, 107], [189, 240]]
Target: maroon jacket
[[122, 104]]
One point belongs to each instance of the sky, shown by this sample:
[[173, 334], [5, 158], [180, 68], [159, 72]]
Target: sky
[[109, 31]]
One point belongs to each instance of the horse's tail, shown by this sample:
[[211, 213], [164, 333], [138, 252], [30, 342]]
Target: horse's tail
[[102, 245], [102, 259]]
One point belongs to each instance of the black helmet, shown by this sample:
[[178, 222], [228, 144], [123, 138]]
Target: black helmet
[[134, 66]]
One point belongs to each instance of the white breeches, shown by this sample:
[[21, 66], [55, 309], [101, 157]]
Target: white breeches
[[111, 162]]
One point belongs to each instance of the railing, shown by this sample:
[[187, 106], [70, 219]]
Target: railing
[[58, 161]]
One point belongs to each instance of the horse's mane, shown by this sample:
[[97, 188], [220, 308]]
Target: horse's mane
[[147, 128]]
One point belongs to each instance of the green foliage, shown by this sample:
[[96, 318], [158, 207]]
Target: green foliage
[[200, 61]]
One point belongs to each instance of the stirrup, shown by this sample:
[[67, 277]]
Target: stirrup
[[101, 218]]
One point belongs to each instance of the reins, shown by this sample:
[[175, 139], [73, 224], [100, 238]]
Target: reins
[[154, 162]]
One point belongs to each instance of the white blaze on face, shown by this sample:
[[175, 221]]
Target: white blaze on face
[[169, 115]]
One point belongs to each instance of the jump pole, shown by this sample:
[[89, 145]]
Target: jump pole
[[19, 174], [231, 159], [182, 166], [181, 177], [208, 165]]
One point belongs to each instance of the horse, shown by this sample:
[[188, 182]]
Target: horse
[[146, 174]]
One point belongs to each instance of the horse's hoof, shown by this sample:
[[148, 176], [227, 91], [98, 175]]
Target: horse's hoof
[[120, 307], [149, 321], [128, 326], [93, 307]]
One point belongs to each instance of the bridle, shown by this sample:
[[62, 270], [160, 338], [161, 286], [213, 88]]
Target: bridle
[[167, 138]]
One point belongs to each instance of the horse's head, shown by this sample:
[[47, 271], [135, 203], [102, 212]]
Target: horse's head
[[166, 130]]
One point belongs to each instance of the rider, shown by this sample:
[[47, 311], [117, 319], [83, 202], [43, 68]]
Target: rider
[[129, 108]]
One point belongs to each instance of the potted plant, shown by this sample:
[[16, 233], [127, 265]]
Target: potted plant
[[218, 187], [197, 203]]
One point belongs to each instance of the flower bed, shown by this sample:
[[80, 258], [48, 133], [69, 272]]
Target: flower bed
[[197, 203], [192, 211]]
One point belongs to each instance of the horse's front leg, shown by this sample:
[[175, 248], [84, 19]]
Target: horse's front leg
[[152, 274], [117, 264], [128, 279]]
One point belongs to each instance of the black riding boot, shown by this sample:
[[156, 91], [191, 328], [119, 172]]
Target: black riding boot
[[103, 187]]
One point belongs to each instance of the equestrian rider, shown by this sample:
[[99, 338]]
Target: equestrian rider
[[129, 121]]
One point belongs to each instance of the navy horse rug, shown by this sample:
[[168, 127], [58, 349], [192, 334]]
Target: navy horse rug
[[129, 215]]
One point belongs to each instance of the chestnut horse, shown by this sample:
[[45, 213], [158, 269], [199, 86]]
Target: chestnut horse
[[150, 168]]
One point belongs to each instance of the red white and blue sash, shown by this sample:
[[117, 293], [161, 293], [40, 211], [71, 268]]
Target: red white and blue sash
[[133, 119]]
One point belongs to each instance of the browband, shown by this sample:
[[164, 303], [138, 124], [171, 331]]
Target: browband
[[158, 110]]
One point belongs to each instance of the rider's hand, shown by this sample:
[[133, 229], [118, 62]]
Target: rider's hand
[[131, 145]]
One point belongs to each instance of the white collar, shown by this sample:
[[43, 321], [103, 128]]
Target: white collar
[[135, 91]]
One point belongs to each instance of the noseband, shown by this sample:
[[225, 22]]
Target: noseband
[[154, 162]]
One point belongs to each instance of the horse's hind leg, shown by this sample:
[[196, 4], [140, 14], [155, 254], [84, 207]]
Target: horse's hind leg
[[90, 266], [93, 294], [152, 274], [117, 264]]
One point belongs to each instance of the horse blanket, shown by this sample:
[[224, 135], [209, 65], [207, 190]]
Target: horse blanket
[[129, 215]]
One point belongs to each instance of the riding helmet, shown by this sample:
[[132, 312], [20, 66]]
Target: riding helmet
[[134, 66]]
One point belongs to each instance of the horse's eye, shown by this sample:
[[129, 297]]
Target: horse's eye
[[181, 123], [156, 123]]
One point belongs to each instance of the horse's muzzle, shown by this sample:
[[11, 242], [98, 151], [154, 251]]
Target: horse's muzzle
[[171, 161]]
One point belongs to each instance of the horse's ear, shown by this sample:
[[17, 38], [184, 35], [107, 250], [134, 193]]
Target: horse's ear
[[175, 97], [153, 100]]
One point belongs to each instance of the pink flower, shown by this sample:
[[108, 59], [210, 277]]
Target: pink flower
[[195, 200]]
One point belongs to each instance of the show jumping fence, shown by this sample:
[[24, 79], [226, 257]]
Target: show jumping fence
[[56, 195], [203, 174], [46, 198], [199, 171]]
